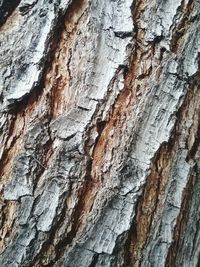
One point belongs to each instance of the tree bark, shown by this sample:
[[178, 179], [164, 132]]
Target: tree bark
[[99, 132]]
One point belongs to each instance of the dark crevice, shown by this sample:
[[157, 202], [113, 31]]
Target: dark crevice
[[100, 127], [132, 235], [7, 7], [123, 35], [167, 147], [19, 107], [29, 100], [178, 238], [193, 150], [181, 28], [198, 263], [45, 64], [94, 260]]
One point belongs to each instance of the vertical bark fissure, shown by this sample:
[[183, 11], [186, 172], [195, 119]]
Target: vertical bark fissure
[[182, 26], [167, 152], [96, 142], [7, 7]]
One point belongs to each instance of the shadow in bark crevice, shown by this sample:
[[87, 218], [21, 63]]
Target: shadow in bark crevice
[[7, 7]]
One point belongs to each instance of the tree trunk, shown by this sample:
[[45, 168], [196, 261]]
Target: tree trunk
[[100, 131]]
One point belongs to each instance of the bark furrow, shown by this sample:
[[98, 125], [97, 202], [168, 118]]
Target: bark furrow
[[99, 131]]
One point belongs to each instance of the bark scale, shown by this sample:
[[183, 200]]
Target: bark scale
[[100, 125]]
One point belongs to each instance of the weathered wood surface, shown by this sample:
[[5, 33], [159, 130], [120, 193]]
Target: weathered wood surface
[[99, 132]]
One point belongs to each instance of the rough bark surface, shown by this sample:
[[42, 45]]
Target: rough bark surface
[[99, 132]]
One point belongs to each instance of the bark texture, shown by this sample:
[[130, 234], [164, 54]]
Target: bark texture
[[99, 132]]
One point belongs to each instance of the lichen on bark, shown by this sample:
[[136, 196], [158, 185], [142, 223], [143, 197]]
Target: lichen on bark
[[99, 128]]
